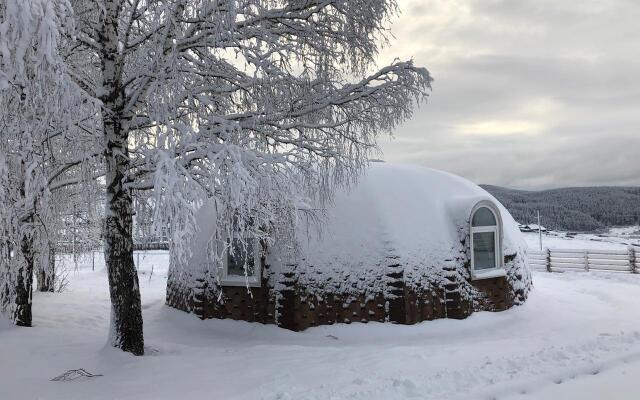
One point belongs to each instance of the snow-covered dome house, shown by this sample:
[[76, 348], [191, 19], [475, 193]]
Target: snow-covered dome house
[[406, 244]]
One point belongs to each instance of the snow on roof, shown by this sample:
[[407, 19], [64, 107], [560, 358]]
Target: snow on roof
[[408, 213]]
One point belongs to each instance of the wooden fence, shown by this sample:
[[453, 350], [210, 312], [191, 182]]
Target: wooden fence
[[151, 246], [556, 260]]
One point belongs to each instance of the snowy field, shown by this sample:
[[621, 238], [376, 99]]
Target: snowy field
[[578, 336], [614, 239]]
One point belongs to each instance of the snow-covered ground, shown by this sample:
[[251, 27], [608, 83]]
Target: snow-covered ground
[[578, 336], [614, 239]]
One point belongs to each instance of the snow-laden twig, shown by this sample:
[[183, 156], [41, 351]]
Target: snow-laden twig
[[74, 374]]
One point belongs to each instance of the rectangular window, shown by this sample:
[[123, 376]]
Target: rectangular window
[[484, 250], [241, 265], [239, 258]]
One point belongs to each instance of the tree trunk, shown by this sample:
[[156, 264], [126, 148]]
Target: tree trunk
[[24, 256], [40, 278], [46, 274], [24, 281], [126, 311]]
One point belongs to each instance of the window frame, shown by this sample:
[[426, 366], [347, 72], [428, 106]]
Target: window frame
[[254, 280], [496, 229]]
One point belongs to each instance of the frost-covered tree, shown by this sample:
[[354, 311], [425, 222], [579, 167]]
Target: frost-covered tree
[[254, 106], [38, 121]]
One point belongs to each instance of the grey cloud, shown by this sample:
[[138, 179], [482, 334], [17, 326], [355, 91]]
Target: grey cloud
[[566, 73]]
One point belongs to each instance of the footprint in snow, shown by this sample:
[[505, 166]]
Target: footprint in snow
[[407, 386]]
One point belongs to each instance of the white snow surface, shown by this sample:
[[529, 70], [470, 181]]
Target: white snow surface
[[615, 239], [414, 214], [577, 336]]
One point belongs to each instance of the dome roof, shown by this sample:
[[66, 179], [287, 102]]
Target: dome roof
[[418, 216]]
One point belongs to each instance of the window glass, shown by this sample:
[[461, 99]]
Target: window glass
[[484, 250], [240, 255], [483, 217]]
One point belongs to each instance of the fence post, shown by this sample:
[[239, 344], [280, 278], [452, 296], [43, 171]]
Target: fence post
[[548, 260], [632, 260], [586, 260]]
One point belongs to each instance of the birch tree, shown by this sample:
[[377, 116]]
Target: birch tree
[[254, 105], [39, 118]]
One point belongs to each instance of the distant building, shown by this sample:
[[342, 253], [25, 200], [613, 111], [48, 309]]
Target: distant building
[[531, 228]]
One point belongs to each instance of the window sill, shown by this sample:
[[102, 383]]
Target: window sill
[[488, 274], [240, 282]]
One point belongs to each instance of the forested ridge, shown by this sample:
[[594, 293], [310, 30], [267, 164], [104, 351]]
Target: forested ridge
[[572, 209]]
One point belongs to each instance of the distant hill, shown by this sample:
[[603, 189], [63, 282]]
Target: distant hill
[[584, 209]]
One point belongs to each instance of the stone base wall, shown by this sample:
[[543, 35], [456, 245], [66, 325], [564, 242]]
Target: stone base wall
[[293, 306], [424, 305], [329, 309], [178, 296], [239, 303], [493, 295], [253, 305]]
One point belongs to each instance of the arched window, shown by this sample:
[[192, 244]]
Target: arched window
[[486, 246]]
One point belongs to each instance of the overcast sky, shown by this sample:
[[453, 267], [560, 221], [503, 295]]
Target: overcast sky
[[527, 93]]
